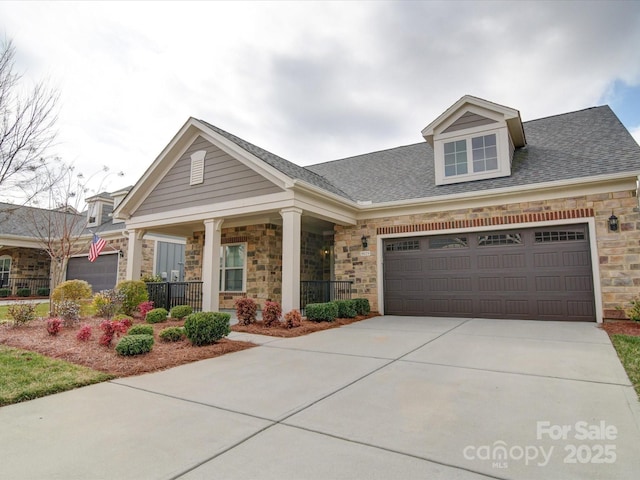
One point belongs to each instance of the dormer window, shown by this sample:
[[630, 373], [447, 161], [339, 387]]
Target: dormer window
[[474, 140], [94, 214]]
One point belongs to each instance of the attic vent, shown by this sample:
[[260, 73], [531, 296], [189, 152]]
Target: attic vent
[[197, 167]]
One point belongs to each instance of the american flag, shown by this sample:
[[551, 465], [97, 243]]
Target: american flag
[[97, 244]]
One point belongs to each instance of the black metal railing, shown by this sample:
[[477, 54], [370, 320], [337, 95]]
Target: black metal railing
[[169, 294], [321, 291], [33, 284]]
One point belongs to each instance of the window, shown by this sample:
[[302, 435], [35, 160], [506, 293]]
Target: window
[[500, 239], [5, 270], [232, 267], [448, 242], [95, 212], [402, 246], [484, 155], [543, 237], [455, 158]]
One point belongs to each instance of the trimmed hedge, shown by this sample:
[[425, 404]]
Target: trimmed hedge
[[157, 315], [134, 345], [5, 292], [172, 334], [321, 312], [43, 292], [180, 311], [346, 308], [362, 306], [206, 328], [71, 290], [23, 292], [140, 330]]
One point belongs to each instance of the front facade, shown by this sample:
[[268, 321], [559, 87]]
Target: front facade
[[489, 217]]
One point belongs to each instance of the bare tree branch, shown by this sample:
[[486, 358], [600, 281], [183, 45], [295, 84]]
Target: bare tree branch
[[27, 123]]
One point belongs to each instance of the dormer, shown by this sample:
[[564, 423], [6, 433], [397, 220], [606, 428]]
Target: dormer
[[117, 199], [474, 140], [99, 208]]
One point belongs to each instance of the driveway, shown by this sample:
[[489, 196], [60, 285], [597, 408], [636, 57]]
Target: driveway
[[386, 398]]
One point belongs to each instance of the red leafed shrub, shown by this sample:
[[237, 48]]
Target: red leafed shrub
[[246, 309], [271, 313], [292, 319], [54, 325], [84, 334], [112, 328], [145, 307]]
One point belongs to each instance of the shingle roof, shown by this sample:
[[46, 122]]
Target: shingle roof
[[288, 168], [580, 144]]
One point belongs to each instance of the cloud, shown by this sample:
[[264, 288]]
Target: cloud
[[311, 81]]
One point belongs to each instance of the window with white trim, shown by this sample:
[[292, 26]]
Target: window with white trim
[[5, 270], [484, 155], [233, 267], [94, 214]]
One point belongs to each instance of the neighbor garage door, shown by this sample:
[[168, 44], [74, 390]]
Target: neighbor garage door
[[537, 274], [101, 274]]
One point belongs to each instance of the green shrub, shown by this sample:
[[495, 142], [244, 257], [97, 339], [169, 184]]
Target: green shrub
[[181, 311], [107, 303], [122, 316], [634, 311], [134, 345], [71, 290], [362, 306], [23, 292], [151, 278], [140, 330], [205, 328], [346, 308], [321, 312], [5, 292], [42, 292], [134, 293], [157, 315], [172, 334], [22, 313]]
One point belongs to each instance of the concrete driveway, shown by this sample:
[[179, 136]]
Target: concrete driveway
[[385, 398]]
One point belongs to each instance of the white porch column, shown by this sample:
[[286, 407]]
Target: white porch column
[[290, 258], [211, 265], [134, 254]]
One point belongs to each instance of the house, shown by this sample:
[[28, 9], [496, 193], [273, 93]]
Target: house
[[25, 263], [488, 217]]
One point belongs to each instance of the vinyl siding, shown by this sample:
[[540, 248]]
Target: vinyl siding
[[468, 120], [225, 179]]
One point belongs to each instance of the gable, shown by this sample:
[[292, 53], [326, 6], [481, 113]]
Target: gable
[[224, 179], [468, 120]]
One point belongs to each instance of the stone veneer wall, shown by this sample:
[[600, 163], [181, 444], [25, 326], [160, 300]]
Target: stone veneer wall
[[312, 256], [28, 262], [618, 252], [264, 261], [121, 243]]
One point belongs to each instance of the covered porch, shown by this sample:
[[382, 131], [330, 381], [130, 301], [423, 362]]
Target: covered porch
[[284, 256]]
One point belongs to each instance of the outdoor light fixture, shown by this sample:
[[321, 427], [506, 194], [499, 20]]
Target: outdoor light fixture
[[613, 223], [365, 244], [120, 253]]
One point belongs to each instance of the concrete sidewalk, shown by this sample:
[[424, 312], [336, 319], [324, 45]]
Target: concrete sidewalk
[[389, 397]]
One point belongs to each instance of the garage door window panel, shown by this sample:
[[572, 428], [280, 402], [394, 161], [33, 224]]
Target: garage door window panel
[[500, 239], [450, 242], [560, 236]]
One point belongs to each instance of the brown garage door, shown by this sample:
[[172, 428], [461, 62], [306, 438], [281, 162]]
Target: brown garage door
[[101, 274], [536, 274]]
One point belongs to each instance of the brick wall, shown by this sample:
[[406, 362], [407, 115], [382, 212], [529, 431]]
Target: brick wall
[[618, 252]]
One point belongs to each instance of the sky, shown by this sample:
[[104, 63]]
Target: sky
[[311, 81]]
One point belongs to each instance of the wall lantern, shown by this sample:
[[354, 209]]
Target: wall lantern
[[365, 244], [613, 223], [120, 253]]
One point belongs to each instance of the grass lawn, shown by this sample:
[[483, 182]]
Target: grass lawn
[[628, 348], [26, 375], [42, 310]]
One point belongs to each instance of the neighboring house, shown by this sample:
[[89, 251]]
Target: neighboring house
[[489, 217], [25, 263]]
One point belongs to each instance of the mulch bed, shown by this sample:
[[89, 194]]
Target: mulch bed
[[306, 327], [65, 346], [622, 327]]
